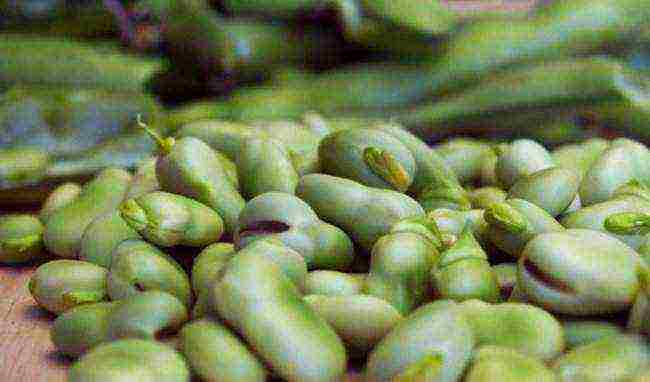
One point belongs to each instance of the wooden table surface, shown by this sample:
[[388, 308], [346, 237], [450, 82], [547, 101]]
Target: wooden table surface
[[26, 351]]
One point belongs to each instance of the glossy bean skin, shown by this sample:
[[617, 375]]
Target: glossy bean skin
[[452, 222], [289, 219], [440, 330], [594, 216], [548, 269], [254, 296], [144, 180], [146, 315], [138, 266], [637, 321], [59, 197], [205, 270], [582, 332], [131, 359], [347, 154], [506, 274], [523, 327], [360, 321], [264, 165], [465, 157], [102, 236], [580, 157], [190, 168], [464, 273], [363, 212], [504, 364], [168, 220], [21, 238], [216, 354], [622, 162], [60, 285], [515, 222], [80, 329], [552, 189], [334, 283], [399, 270], [521, 158], [435, 184], [483, 197], [65, 228], [613, 358]]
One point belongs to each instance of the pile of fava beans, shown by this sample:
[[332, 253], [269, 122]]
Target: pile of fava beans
[[363, 252]]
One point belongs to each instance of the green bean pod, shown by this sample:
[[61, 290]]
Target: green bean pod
[[464, 273], [292, 221], [21, 239], [434, 331], [102, 236], [364, 213], [565, 29], [255, 297], [138, 266], [399, 270], [216, 354], [64, 229], [147, 315], [82, 328], [264, 165], [167, 220], [360, 321], [547, 90], [67, 63], [131, 360], [60, 285]]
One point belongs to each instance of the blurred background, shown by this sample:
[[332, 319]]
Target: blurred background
[[75, 74]]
